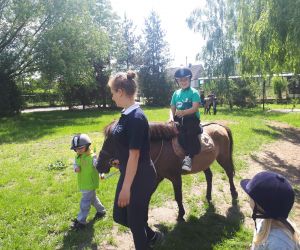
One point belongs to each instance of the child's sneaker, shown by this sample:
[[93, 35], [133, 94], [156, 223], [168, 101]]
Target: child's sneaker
[[76, 225], [187, 164], [99, 215]]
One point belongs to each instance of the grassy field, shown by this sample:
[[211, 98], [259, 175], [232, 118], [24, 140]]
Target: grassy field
[[38, 189]]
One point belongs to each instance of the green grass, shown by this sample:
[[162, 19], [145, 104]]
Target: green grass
[[281, 106], [38, 189]]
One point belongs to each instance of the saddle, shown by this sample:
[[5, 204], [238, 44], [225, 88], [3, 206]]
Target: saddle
[[205, 140]]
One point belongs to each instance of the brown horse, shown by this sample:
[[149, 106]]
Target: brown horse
[[210, 101], [168, 164]]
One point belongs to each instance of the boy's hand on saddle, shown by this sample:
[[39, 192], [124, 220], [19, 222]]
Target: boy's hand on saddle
[[179, 113], [77, 169]]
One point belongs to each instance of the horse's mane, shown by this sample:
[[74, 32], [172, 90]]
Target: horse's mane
[[158, 130], [108, 129]]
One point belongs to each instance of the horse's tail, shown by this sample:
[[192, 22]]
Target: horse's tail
[[230, 147]]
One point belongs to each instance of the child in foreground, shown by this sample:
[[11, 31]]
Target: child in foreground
[[271, 199], [88, 180]]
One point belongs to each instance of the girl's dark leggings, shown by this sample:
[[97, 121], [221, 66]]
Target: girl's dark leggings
[[135, 215]]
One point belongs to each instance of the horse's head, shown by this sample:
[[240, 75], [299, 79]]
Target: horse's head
[[106, 155]]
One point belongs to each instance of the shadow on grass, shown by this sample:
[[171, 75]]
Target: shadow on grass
[[32, 126], [245, 112], [274, 163], [267, 133], [81, 239], [204, 232], [241, 112], [289, 134]]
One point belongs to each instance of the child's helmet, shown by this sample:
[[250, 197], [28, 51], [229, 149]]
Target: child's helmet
[[80, 140], [272, 192], [183, 72]]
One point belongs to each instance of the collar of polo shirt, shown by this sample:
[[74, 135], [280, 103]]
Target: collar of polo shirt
[[130, 109]]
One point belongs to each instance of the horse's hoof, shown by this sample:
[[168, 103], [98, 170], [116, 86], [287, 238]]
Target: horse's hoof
[[180, 219], [208, 198]]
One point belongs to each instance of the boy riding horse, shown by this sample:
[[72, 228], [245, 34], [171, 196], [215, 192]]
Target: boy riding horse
[[185, 111]]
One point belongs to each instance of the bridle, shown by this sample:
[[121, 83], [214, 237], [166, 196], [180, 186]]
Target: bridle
[[161, 147], [104, 152]]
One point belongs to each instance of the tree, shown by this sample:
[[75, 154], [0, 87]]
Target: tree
[[217, 24], [154, 86], [106, 20], [269, 37], [68, 52], [21, 27], [127, 57]]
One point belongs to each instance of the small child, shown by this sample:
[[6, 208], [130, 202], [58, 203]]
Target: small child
[[271, 199], [88, 180]]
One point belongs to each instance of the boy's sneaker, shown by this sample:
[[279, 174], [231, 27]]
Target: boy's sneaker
[[99, 215], [187, 164], [76, 225], [157, 238]]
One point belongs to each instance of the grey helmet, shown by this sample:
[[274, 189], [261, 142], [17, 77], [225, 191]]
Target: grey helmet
[[80, 140]]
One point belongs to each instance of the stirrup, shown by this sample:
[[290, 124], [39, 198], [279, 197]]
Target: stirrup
[[187, 164]]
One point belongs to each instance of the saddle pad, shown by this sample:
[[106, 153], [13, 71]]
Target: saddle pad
[[207, 145]]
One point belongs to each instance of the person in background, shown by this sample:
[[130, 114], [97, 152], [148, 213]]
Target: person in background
[[271, 199]]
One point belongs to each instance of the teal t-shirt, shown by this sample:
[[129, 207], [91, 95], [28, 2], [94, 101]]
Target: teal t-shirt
[[183, 99]]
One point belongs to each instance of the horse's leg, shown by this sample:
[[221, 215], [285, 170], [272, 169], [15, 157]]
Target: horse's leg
[[177, 186], [208, 176], [209, 109], [227, 165]]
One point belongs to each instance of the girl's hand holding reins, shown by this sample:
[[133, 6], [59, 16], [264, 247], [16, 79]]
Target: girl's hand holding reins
[[124, 197], [115, 163]]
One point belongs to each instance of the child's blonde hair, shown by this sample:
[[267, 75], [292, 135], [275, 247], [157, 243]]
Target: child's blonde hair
[[261, 236]]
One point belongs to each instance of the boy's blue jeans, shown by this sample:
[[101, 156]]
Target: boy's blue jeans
[[88, 198]]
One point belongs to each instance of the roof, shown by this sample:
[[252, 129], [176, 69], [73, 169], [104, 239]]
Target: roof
[[197, 71]]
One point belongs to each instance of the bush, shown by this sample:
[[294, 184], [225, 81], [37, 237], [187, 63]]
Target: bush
[[243, 94], [11, 100], [279, 85]]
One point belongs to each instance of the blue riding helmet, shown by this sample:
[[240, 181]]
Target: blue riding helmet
[[272, 192], [183, 72]]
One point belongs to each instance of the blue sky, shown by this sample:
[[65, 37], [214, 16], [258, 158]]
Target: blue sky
[[183, 42]]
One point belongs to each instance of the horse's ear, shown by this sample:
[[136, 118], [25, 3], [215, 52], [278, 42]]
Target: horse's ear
[[108, 129]]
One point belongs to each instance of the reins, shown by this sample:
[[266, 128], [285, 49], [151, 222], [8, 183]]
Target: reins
[[161, 147]]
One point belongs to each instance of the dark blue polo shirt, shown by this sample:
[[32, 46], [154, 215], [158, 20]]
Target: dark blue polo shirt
[[132, 132]]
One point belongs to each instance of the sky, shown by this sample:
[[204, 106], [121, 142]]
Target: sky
[[184, 44]]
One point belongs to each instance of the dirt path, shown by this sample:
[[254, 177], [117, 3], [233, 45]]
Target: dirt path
[[281, 156]]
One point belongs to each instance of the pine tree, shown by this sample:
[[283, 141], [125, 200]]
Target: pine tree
[[154, 86]]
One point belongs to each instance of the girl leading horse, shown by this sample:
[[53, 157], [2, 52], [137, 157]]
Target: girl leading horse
[[168, 163]]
